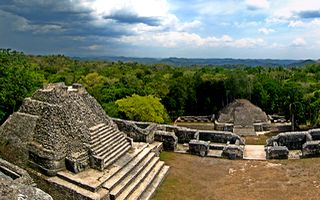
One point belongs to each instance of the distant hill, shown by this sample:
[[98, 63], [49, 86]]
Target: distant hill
[[227, 62]]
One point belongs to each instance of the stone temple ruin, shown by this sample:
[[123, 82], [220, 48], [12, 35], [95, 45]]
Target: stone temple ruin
[[65, 134], [243, 118], [240, 117]]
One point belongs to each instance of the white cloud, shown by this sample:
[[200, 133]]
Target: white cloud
[[266, 31], [189, 40], [146, 8], [257, 4], [315, 23], [299, 42], [288, 11], [249, 42]]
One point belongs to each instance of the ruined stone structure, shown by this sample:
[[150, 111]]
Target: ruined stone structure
[[16, 183], [194, 140], [64, 133], [196, 122], [242, 118], [307, 142]]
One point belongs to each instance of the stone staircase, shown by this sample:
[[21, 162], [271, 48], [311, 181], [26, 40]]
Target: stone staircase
[[107, 144], [136, 175]]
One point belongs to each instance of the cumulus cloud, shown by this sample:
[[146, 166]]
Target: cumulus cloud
[[257, 4], [293, 10], [315, 23], [181, 39], [124, 16], [299, 42], [266, 31]]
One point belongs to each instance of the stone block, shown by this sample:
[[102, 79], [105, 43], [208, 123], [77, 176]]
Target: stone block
[[232, 152], [315, 134], [169, 139], [292, 140], [277, 152], [199, 147], [311, 149], [220, 137]]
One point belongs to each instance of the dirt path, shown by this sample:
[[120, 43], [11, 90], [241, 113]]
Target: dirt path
[[193, 177]]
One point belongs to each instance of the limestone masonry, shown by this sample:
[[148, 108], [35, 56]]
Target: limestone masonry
[[65, 134]]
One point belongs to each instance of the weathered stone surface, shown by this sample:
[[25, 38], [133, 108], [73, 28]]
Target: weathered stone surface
[[220, 137], [243, 118], [16, 132], [199, 147], [292, 140], [196, 122], [139, 132], [232, 113], [54, 124], [311, 149], [185, 135], [232, 152], [277, 152], [169, 139], [315, 134], [15, 183], [10, 190], [15, 173]]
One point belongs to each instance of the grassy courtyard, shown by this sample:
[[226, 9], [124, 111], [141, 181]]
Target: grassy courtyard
[[193, 177]]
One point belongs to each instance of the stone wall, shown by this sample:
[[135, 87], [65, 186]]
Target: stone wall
[[16, 183], [139, 132], [292, 140], [183, 134], [55, 121], [308, 142], [220, 137], [168, 139], [315, 134], [15, 133]]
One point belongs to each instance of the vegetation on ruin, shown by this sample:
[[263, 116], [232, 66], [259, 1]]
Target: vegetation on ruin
[[195, 90]]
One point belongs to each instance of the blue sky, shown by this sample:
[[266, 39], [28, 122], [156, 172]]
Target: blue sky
[[281, 29]]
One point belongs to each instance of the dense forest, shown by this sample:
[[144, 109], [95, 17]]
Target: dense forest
[[161, 93]]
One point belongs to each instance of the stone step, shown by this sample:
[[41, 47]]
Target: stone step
[[150, 191], [102, 134], [85, 179], [110, 142], [77, 191], [116, 155], [129, 184], [148, 181], [100, 129], [105, 151], [107, 136], [144, 157], [96, 127]]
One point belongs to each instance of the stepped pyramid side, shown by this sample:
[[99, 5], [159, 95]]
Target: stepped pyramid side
[[136, 175], [54, 126]]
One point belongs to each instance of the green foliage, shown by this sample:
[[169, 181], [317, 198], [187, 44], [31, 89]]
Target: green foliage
[[18, 79], [179, 91], [143, 108]]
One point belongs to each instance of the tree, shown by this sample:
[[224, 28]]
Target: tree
[[18, 79], [143, 108]]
